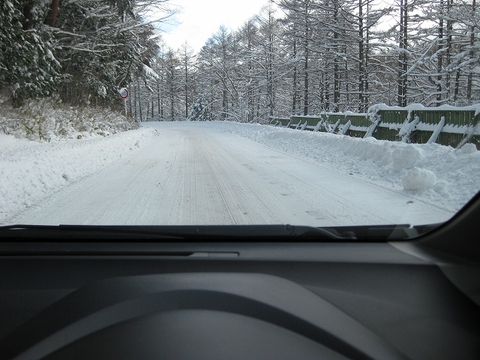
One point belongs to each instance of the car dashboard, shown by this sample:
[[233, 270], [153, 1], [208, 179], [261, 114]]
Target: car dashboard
[[240, 299]]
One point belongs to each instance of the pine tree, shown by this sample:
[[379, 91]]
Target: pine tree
[[198, 110], [28, 67]]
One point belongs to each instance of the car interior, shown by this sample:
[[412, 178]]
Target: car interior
[[241, 292]]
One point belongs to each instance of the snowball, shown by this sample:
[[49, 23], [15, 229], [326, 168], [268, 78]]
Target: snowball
[[405, 158], [467, 149], [419, 179]]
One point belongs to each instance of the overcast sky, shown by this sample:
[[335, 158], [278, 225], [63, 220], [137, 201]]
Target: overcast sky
[[198, 20]]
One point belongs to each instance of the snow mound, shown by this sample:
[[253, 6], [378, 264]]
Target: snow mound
[[405, 158], [467, 149], [32, 170], [419, 179]]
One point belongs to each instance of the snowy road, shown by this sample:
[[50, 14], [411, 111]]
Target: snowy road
[[193, 175]]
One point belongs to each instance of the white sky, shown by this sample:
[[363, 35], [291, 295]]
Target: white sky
[[200, 19]]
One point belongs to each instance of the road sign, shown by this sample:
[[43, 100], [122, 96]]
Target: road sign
[[123, 93]]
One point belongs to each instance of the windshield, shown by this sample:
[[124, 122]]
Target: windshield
[[312, 113]]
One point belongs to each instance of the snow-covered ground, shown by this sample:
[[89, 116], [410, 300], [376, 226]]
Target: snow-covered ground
[[231, 173], [30, 171]]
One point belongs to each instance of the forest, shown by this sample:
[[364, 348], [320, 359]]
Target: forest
[[300, 57]]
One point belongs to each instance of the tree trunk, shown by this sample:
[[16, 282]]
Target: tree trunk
[[440, 56], [306, 55], [294, 80], [472, 43], [361, 57], [51, 18], [186, 81], [402, 58]]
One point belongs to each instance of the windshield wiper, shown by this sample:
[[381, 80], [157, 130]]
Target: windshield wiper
[[214, 233], [81, 233], [211, 233]]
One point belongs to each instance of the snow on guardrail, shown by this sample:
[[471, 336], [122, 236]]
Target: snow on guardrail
[[414, 123]]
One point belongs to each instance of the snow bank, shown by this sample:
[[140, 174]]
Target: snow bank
[[49, 119], [433, 173], [30, 170]]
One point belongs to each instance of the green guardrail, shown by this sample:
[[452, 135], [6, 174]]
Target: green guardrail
[[411, 124], [278, 121], [458, 124]]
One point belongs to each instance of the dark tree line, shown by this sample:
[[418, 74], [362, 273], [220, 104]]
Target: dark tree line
[[82, 50]]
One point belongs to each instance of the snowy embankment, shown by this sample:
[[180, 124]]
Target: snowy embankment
[[30, 170], [50, 119], [436, 174], [68, 144]]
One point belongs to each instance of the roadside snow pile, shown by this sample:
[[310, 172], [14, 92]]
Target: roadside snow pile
[[31, 170], [419, 179], [49, 119], [405, 158], [436, 174], [433, 173]]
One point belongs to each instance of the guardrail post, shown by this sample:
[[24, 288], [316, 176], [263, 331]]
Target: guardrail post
[[334, 127], [345, 128], [408, 128], [438, 130]]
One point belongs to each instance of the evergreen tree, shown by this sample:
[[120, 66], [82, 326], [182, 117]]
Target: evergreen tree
[[28, 67], [198, 110], [102, 49]]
